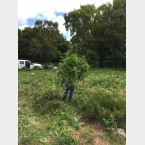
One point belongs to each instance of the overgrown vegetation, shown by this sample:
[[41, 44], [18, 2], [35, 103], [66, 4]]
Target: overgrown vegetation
[[72, 69], [45, 119], [99, 103]]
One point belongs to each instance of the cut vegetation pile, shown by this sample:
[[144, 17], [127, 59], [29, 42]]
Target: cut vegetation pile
[[97, 109]]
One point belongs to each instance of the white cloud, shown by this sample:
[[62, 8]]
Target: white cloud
[[61, 27], [22, 22], [24, 26], [49, 15], [61, 22], [46, 9], [31, 8], [59, 19]]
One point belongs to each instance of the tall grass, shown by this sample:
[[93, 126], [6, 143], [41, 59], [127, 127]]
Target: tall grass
[[45, 119]]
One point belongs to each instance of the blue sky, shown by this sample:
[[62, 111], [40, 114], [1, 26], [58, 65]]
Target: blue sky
[[31, 21], [31, 10]]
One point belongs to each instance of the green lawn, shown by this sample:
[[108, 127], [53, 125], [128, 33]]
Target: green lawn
[[99, 104]]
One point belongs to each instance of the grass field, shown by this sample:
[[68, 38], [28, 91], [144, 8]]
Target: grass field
[[98, 106]]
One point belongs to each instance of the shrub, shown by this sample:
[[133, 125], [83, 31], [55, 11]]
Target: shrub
[[72, 68], [105, 107]]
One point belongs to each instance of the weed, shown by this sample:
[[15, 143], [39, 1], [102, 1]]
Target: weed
[[45, 119]]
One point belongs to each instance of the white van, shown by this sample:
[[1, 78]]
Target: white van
[[22, 65]]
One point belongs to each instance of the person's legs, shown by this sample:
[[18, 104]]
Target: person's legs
[[29, 67], [65, 93], [71, 93]]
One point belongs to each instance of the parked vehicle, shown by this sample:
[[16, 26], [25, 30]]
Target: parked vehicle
[[22, 64]]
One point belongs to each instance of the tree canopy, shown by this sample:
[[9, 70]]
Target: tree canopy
[[99, 33], [42, 43]]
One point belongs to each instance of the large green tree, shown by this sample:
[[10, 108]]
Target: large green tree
[[99, 33], [42, 43]]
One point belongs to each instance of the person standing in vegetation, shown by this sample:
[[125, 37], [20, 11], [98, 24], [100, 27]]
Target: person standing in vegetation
[[27, 65], [69, 89], [72, 69]]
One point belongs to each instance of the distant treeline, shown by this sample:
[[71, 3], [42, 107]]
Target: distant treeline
[[42, 43], [97, 33]]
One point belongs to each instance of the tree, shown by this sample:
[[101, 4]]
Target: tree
[[99, 33], [119, 9], [42, 43]]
